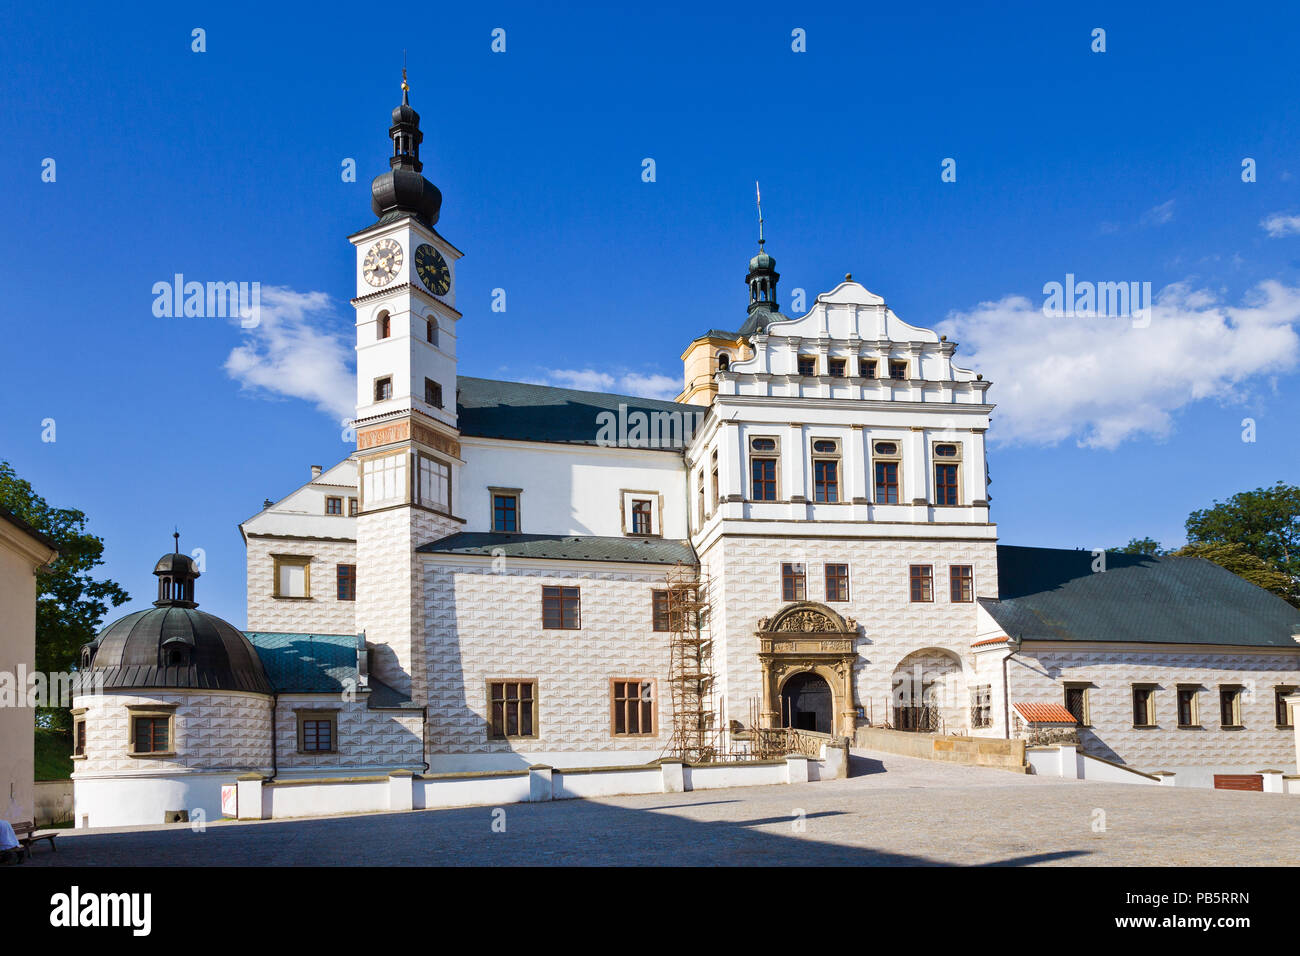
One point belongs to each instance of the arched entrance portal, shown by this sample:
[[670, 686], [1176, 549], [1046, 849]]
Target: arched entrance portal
[[928, 692], [807, 703]]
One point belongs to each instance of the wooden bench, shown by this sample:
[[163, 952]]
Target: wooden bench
[[27, 834]]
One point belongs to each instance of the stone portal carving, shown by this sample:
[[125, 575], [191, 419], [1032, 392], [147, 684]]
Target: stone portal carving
[[802, 637]]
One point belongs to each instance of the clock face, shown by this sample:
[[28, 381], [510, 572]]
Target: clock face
[[382, 262], [432, 269]]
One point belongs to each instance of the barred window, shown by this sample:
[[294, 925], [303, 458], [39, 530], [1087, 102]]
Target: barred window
[[560, 609], [316, 734], [981, 706], [512, 709]]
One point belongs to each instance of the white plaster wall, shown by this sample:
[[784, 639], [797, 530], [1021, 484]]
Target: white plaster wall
[[323, 612], [320, 799], [486, 624], [471, 791], [1038, 674], [144, 799], [569, 489]]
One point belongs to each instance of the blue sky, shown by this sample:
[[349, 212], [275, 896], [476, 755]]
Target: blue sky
[[225, 165]]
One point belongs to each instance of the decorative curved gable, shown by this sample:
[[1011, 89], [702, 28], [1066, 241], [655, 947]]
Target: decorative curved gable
[[807, 617]]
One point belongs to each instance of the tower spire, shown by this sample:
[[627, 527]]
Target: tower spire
[[758, 194], [762, 276], [405, 87]]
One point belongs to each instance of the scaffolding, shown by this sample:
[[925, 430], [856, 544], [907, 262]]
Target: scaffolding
[[690, 666]]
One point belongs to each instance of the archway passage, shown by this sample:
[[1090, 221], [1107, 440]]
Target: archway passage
[[807, 703]]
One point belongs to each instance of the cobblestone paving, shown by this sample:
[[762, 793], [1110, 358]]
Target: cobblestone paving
[[892, 811]]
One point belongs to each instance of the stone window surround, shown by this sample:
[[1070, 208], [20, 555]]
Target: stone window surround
[[627, 495], [292, 560], [836, 455], [1284, 690], [317, 712], [1150, 690], [517, 494], [151, 710], [654, 707], [775, 455], [877, 457], [78, 721], [1087, 688], [1236, 690], [936, 461], [1196, 706]]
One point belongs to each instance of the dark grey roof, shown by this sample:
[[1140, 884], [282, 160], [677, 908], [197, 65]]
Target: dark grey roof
[[1048, 594], [132, 652], [565, 547], [487, 408], [759, 320]]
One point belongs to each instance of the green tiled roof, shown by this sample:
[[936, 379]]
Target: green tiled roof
[[1048, 594], [486, 408], [307, 663], [565, 547]]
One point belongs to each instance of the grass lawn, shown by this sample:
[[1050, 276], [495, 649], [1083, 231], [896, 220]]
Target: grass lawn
[[53, 755]]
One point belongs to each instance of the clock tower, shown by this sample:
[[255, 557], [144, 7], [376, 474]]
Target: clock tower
[[408, 448]]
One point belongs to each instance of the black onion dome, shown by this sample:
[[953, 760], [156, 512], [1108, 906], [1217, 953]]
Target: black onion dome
[[403, 191], [173, 645], [178, 648]]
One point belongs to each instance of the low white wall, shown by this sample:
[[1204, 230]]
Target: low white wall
[[289, 799], [566, 784], [1067, 762], [736, 775], [486, 789], [122, 801]]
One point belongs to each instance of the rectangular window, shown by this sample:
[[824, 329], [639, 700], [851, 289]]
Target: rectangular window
[[1076, 702], [633, 708], [837, 582], [383, 389], [150, 734], [922, 581], [661, 612], [317, 733], [512, 709], [432, 393], [505, 513], [560, 609], [1188, 706], [346, 576], [981, 706], [641, 516], [867, 368], [435, 484], [886, 482], [717, 487], [1144, 706], [352, 507], [79, 738], [807, 366], [961, 584], [898, 369], [826, 480], [292, 576], [1230, 706], [1283, 714], [333, 506], [383, 480], [431, 332], [839, 367], [792, 582], [764, 475], [945, 484]]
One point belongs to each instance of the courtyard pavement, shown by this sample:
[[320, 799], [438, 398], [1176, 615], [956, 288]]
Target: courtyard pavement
[[891, 811]]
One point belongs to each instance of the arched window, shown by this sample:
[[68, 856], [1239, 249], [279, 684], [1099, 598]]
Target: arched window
[[385, 325], [433, 331], [724, 361]]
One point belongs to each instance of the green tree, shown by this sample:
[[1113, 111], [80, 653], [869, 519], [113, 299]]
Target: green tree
[[70, 601], [1141, 546], [1233, 556], [1265, 521]]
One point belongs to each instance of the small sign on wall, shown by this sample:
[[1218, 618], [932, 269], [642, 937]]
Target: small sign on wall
[[230, 800]]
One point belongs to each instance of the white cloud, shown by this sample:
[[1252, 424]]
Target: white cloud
[[624, 383], [1159, 215], [292, 352], [1280, 224], [1101, 381]]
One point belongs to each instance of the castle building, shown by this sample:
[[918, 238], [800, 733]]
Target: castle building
[[495, 578]]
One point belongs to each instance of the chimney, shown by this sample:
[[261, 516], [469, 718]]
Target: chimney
[[315, 471], [266, 503]]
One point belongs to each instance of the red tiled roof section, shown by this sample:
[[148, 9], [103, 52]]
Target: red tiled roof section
[[991, 640], [1040, 713]]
